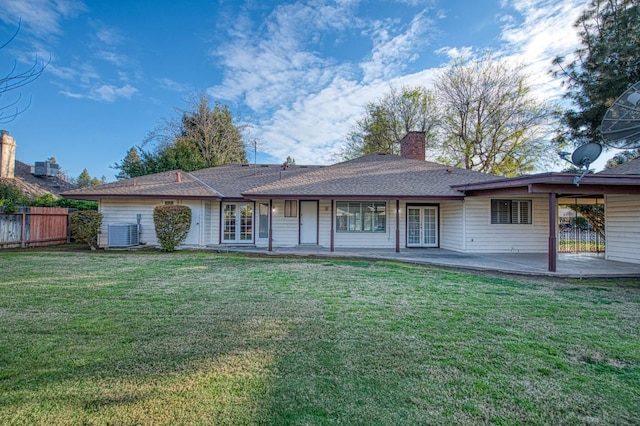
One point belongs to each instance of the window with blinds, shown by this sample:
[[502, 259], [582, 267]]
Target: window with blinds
[[511, 212]]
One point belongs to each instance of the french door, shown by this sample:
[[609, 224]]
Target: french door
[[422, 226], [237, 223]]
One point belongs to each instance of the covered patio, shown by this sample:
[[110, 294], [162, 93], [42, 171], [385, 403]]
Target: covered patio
[[562, 188]]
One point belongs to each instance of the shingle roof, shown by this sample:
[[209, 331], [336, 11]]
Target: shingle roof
[[36, 186], [216, 182], [232, 180], [629, 168], [374, 175]]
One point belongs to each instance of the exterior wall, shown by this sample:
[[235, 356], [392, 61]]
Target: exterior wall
[[452, 225], [622, 225], [481, 236], [124, 211], [324, 224], [210, 223], [285, 229]]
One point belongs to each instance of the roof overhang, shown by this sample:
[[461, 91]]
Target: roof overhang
[[352, 197], [556, 183], [97, 197]]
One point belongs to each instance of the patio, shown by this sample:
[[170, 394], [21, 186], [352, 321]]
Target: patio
[[568, 265]]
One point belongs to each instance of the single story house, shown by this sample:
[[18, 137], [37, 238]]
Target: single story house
[[375, 201]]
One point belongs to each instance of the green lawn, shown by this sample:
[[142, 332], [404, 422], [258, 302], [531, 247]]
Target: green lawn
[[205, 338]]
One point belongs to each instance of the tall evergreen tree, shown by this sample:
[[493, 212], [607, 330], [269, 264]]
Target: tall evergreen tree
[[202, 137], [602, 68]]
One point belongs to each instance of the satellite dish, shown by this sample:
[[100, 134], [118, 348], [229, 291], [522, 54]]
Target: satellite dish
[[620, 126], [586, 154], [583, 156]]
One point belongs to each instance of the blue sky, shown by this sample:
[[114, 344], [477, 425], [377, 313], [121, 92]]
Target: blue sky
[[299, 72]]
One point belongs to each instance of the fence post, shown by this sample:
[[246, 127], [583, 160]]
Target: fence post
[[23, 230]]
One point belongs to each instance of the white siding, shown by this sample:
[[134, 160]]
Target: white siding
[[622, 227], [324, 224], [481, 236], [452, 225], [124, 211], [285, 229], [211, 222]]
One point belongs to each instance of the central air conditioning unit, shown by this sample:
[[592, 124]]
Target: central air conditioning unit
[[123, 235]]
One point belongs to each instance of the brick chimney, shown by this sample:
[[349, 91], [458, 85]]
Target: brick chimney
[[413, 146], [7, 155]]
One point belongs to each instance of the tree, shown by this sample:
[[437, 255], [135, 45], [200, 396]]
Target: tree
[[621, 158], [85, 180], [388, 119], [491, 121], [202, 137], [290, 161], [14, 80], [602, 68]]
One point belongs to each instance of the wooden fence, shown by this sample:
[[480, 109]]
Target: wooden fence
[[34, 226]]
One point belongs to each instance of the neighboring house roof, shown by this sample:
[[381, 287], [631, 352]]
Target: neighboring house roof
[[216, 182], [374, 176], [51, 184], [36, 186], [629, 168]]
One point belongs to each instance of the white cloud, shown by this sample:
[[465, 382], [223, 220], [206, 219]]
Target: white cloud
[[174, 86], [311, 101], [547, 31], [42, 17], [103, 93], [390, 54]]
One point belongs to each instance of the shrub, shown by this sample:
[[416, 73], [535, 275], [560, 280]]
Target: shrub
[[85, 227], [11, 197], [172, 225]]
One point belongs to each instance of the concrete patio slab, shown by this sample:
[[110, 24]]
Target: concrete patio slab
[[568, 265]]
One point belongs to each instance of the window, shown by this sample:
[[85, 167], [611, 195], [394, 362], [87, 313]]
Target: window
[[511, 211], [263, 220], [361, 216], [168, 202], [290, 208]]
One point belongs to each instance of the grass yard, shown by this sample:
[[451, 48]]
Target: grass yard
[[203, 338]]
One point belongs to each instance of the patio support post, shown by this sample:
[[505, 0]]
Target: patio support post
[[552, 232], [397, 226], [333, 218], [270, 225]]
